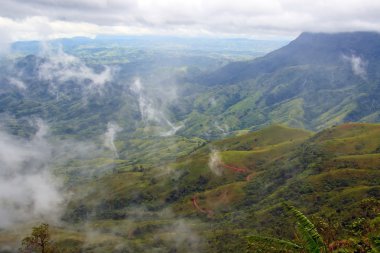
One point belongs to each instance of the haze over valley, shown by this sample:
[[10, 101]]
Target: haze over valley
[[155, 129]]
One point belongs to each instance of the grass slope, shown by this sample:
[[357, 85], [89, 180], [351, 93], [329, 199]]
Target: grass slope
[[331, 176]]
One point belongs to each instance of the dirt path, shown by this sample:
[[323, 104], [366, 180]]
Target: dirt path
[[239, 170], [202, 210]]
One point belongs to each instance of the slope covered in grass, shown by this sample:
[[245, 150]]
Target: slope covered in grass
[[333, 176]]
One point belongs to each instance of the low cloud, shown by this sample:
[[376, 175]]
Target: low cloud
[[17, 83], [184, 238], [28, 190], [358, 65], [152, 105], [109, 137], [59, 67], [58, 70], [215, 162], [223, 129]]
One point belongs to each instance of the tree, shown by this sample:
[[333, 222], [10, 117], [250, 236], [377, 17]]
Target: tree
[[38, 241]]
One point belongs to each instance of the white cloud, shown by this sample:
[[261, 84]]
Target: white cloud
[[358, 65], [215, 162], [17, 82], [184, 238], [153, 111], [28, 190], [50, 19], [109, 137], [60, 67]]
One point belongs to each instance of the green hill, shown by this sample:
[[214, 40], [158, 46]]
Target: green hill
[[332, 176]]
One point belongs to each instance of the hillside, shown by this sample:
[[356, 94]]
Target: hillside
[[207, 126], [316, 49], [192, 154], [316, 81], [329, 175]]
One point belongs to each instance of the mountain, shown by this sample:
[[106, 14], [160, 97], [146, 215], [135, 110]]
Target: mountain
[[317, 49], [316, 81], [149, 150]]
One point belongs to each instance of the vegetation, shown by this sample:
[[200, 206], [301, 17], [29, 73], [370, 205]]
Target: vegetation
[[38, 241], [336, 189], [311, 240], [162, 193]]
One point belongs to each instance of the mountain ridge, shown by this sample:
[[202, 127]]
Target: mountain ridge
[[297, 52], [314, 82], [290, 86]]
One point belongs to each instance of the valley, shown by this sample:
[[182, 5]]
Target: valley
[[156, 151]]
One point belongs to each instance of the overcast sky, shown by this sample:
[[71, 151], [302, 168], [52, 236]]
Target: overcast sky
[[46, 19]]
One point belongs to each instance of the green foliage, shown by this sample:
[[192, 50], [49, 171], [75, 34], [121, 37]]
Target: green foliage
[[312, 241], [126, 203], [270, 244], [333, 174], [227, 240]]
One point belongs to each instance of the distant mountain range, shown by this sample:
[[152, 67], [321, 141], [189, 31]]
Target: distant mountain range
[[314, 82], [102, 45]]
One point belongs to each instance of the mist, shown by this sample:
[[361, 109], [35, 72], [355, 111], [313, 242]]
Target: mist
[[172, 144], [109, 137], [59, 67], [17, 83], [184, 238], [28, 189], [152, 106], [224, 129], [31, 189], [215, 162], [358, 65]]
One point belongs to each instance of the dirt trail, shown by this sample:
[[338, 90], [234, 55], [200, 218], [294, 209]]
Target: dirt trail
[[196, 205], [235, 169], [238, 170]]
